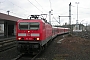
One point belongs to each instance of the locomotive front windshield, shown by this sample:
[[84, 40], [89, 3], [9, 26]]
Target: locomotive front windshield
[[28, 26]]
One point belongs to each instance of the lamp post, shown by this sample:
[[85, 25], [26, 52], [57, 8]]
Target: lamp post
[[8, 12], [77, 10], [77, 16]]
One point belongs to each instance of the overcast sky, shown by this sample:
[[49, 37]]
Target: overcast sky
[[24, 8]]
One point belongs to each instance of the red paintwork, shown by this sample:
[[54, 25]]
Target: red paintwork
[[45, 30]]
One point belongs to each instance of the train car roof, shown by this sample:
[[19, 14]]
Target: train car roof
[[57, 27], [60, 27], [67, 28]]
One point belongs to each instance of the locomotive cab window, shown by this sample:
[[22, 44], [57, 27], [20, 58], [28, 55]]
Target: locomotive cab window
[[34, 25], [23, 25], [29, 26]]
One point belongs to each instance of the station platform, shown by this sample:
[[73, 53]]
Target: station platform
[[2, 38]]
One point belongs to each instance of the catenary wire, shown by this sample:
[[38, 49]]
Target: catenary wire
[[34, 6]]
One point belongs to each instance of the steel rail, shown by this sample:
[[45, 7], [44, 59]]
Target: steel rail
[[36, 56], [18, 57]]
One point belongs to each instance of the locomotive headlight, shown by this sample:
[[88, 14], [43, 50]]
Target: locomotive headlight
[[19, 38], [37, 38], [28, 31]]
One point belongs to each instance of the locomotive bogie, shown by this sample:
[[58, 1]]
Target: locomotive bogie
[[28, 47]]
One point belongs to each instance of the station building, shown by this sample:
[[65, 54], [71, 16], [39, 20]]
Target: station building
[[7, 25]]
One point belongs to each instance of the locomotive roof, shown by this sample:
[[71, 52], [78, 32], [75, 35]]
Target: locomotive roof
[[32, 20]]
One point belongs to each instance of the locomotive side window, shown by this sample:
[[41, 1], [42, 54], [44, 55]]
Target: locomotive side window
[[34, 25], [23, 25]]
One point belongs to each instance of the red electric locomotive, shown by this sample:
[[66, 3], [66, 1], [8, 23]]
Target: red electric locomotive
[[33, 34]]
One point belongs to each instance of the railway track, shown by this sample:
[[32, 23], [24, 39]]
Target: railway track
[[18, 57], [7, 43], [21, 57]]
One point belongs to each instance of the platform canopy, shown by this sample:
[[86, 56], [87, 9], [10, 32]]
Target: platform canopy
[[8, 17]]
